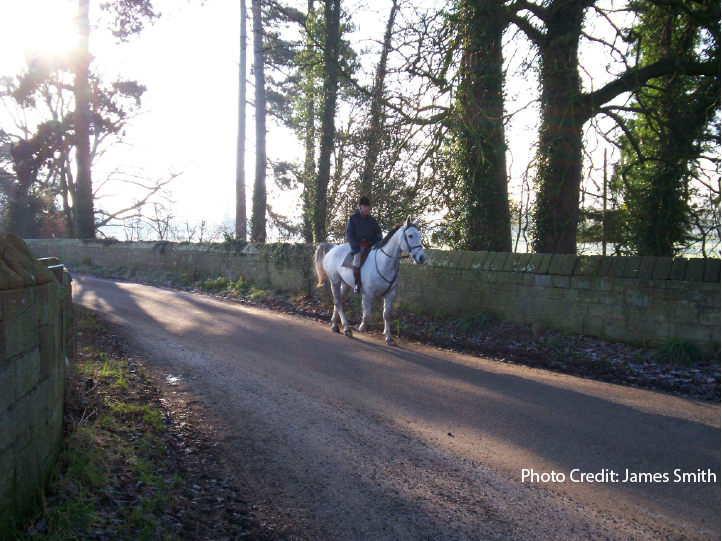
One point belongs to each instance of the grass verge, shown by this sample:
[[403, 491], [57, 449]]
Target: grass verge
[[135, 463], [113, 475]]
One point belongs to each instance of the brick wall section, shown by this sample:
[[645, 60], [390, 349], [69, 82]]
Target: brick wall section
[[33, 330], [638, 300]]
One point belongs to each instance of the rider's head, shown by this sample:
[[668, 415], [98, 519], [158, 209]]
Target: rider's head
[[364, 205]]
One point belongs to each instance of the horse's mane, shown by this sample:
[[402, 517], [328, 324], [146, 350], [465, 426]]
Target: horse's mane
[[388, 236]]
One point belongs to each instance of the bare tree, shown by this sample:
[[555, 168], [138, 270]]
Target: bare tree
[[258, 216], [376, 121], [83, 200], [241, 140]]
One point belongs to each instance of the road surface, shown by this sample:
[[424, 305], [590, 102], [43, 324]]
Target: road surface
[[346, 438]]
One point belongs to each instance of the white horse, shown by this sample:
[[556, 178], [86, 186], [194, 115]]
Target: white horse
[[379, 274]]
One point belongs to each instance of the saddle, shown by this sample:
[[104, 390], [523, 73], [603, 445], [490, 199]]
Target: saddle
[[348, 260]]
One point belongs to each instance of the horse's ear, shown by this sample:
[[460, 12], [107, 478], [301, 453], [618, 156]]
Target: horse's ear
[[416, 224], [408, 221]]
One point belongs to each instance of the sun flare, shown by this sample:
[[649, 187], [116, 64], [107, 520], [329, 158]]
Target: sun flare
[[44, 27]]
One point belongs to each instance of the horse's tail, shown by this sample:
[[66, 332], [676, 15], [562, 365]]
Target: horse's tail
[[321, 252]]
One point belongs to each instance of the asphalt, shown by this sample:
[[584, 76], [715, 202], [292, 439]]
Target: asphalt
[[347, 438]]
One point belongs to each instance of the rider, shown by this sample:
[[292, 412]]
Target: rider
[[362, 231]]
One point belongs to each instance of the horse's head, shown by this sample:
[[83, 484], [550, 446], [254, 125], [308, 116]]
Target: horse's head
[[411, 242]]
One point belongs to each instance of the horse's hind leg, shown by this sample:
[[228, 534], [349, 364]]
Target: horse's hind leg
[[338, 308], [366, 320], [345, 290], [334, 319]]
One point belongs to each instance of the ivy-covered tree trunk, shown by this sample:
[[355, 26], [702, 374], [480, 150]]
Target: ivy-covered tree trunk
[[559, 173], [258, 217], [665, 216], [241, 138], [479, 127], [83, 202], [374, 132], [332, 12]]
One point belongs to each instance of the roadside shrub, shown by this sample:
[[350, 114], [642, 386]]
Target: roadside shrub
[[260, 294], [679, 353], [242, 286], [214, 285], [552, 343], [473, 323]]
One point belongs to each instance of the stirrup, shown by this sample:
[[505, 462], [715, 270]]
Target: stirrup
[[357, 289]]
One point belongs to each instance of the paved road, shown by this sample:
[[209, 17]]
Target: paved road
[[350, 439]]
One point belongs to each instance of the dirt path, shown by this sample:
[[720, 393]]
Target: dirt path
[[349, 439]]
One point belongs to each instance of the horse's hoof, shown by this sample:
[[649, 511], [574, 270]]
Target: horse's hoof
[[390, 342], [348, 333], [361, 328], [335, 329]]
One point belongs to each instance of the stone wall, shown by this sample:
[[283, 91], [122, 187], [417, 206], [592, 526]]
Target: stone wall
[[285, 267], [35, 310], [639, 300]]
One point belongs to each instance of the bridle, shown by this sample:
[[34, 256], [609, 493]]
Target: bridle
[[411, 249], [397, 271]]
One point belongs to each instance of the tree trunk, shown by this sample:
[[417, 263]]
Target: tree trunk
[[309, 163], [332, 12], [480, 127], [65, 191], [83, 202], [241, 139], [258, 217], [559, 170], [376, 122]]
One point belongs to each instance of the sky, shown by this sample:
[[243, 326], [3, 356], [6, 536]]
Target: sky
[[188, 60]]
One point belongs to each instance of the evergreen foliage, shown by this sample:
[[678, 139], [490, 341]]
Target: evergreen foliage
[[673, 128]]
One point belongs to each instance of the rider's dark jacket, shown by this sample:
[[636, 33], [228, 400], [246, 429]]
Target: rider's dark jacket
[[362, 230]]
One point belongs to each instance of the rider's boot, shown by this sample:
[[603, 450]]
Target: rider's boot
[[357, 279]]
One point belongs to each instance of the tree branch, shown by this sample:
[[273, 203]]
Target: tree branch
[[539, 12], [635, 78], [108, 217], [535, 36]]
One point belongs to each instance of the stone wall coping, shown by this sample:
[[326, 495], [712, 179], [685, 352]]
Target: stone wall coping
[[19, 267], [633, 267], [646, 267]]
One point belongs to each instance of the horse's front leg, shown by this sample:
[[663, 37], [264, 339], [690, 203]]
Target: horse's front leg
[[388, 299], [338, 309], [366, 319]]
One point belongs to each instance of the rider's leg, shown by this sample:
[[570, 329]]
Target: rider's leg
[[357, 272]]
